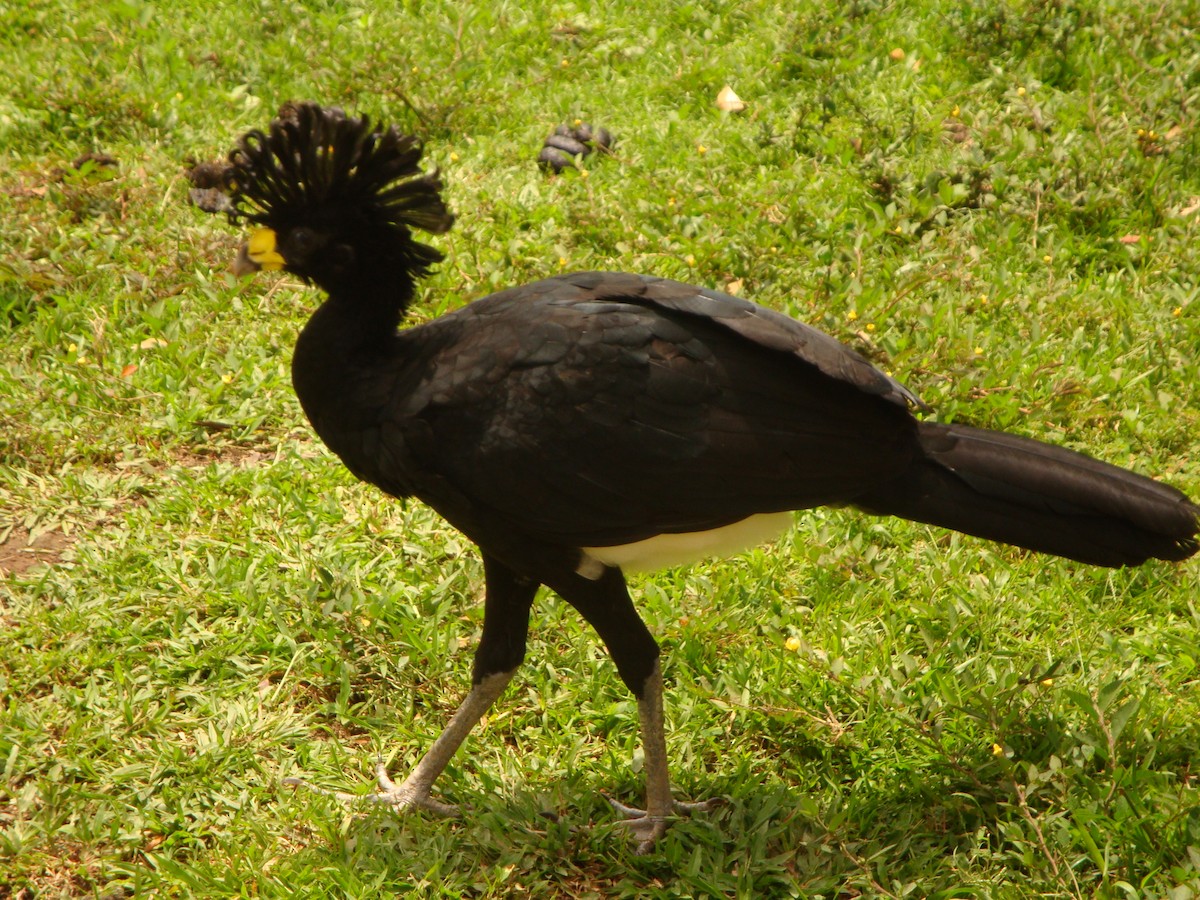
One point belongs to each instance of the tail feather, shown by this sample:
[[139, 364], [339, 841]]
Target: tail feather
[[1041, 497]]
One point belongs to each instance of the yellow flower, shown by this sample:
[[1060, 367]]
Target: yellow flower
[[997, 750], [701, 149], [1177, 311], [792, 643], [870, 326], [1047, 258], [1020, 92], [956, 112], [227, 378], [852, 316]]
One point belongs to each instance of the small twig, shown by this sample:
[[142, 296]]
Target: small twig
[[1029, 817]]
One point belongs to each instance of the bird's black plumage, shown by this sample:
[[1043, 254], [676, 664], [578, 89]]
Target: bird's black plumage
[[556, 421]]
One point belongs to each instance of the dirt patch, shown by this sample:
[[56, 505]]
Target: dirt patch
[[71, 870], [19, 554], [20, 551], [243, 457]]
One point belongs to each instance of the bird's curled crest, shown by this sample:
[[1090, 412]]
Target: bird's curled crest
[[312, 157]]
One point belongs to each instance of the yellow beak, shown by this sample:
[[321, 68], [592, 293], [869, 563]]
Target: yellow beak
[[258, 252]]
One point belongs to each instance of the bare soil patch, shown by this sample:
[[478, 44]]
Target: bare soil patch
[[19, 553]]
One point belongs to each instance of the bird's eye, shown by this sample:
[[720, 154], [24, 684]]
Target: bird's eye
[[303, 240]]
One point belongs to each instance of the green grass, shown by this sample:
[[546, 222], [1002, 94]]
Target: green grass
[[196, 601]]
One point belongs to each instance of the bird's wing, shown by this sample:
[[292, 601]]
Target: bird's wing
[[771, 330], [600, 409]]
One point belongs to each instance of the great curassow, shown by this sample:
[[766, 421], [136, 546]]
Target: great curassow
[[588, 425]]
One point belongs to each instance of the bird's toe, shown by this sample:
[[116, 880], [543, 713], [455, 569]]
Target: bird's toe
[[647, 829], [412, 793]]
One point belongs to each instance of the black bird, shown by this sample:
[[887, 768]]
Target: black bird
[[584, 426]]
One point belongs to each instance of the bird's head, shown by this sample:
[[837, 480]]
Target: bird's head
[[334, 198]]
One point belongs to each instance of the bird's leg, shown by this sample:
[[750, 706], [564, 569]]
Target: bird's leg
[[605, 603], [414, 790], [650, 824], [506, 605], [507, 600]]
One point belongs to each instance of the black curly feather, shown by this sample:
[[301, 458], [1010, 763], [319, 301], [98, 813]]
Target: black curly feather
[[313, 158]]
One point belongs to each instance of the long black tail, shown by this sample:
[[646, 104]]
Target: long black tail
[[1011, 489]]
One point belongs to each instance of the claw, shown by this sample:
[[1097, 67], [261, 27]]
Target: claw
[[413, 791], [647, 829], [402, 796], [408, 795]]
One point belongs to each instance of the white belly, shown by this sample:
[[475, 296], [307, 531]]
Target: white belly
[[665, 550]]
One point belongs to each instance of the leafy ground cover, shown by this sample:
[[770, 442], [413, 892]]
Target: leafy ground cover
[[997, 201]]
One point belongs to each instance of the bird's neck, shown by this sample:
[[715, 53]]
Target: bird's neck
[[342, 350], [368, 307]]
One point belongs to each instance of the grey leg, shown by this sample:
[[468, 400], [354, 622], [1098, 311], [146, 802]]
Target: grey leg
[[650, 824], [604, 601], [501, 650], [414, 790]]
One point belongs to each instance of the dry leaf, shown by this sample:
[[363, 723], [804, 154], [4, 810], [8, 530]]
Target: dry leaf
[[129, 369], [728, 101], [152, 343], [897, 54], [734, 287], [1130, 238]]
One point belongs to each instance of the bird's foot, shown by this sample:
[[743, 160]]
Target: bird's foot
[[411, 793], [647, 829]]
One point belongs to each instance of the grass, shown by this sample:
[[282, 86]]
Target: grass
[[997, 201]]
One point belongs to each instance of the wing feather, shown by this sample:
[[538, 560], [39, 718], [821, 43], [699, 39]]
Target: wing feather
[[618, 407]]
